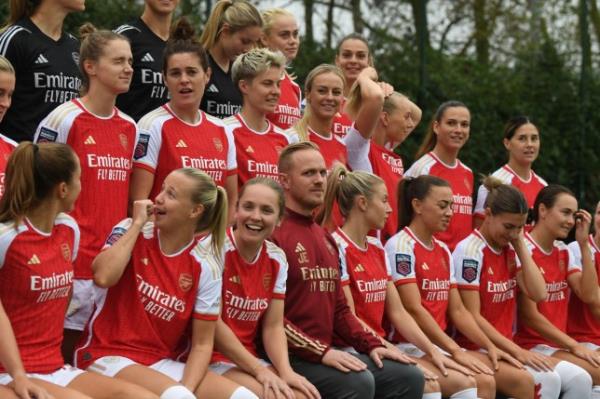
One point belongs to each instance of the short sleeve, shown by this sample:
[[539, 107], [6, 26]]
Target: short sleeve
[[231, 152], [482, 194], [208, 297], [388, 268], [343, 263], [68, 221], [401, 257], [358, 150], [280, 282], [573, 264], [467, 268], [117, 232], [575, 252], [148, 146], [52, 131]]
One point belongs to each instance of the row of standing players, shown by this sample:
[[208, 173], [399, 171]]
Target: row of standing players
[[450, 128]]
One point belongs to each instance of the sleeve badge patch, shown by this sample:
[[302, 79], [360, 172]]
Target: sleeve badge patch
[[403, 264], [47, 135], [141, 148], [469, 270], [117, 233]]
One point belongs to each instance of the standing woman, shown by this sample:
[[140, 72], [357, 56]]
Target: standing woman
[[158, 278], [423, 272], [7, 87], [38, 244], [104, 139], [148, 36], [542, 327], [178, 134], [253, 295], [258, 142], [488, 279], [233, 28], [366, 276], [438, 156], [522, 141], [280, 33], [46, 60]]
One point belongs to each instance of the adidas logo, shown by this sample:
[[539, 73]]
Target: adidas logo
[[212, 89], [249, 149], [147, 58], [34, 260], [424, 266], [300, 248], [181, 144], [235, 279], [359, 268], [41, 59], [89, 140]]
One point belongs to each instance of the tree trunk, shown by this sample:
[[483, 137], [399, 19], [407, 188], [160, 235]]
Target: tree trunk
[[308, 21], [535, 7], [482, 40], [419, 8], [584, 91], [595, 18], [356, 16], [329, 33]]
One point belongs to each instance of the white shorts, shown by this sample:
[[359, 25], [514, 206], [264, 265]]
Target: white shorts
[[590, 346], [545, 349], [81, 305], [221, 368], [112, 365], [412, 350], [61, 377]]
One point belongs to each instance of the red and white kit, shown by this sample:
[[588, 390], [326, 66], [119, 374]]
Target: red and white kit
[[367, 273], [248, 289], [556, 266], [582, 325], [167, 143], [332, 148], [145, 315], [6, 148], [288, 109], [530, 187], [430, 268], [36, 278], [105, 150], [257, 152], [493, 274], [367, 155], [460, 178], [341, 122]]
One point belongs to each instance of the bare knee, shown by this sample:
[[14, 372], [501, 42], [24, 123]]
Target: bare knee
[[432, 386], [522, 385], [456, 382], [486, 386]]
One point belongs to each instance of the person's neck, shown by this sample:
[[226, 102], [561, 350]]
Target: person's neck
[[99, 102], [247, 251], [42, 217], [543, 238], [173, 241], [189, 115], [49, 18], [321, 126], [356, 228], [379, 136], [484, 230], [255, 119], [446, 155], [523, 171], [294, 206], [348, 87], [218, 54], [159, 24], [421, 232]]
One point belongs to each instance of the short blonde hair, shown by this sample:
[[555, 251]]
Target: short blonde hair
[[249, 65], [237, 14], [6, 66]]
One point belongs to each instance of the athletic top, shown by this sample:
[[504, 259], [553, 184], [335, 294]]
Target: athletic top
[[288, 109], [367, 272], [248, 289], [367, 155], [145, 315], [221, 97], [460, 178], [493, 274], [6, 148], [257, 152], [430, 268], [332, 148], [167, 143], [47, 75], [36, 276], [147, 90], [341, 122], [556, 266], [582, 325], [530, 187], [315, 306], [105, 150]]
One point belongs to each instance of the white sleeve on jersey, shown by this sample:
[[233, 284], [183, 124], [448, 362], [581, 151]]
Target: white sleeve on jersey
[[208, 296], [231, 152], [401, 257], [574, 264], [117, 232], [278, 255], [482, 194], [149, 140], [67, 220], [467, 266], [55, 127], [575, 254], [7, 234], [358, 150]]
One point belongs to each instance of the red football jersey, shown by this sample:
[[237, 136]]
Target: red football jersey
[[167, 143], [530, 187], [248, 289], [288, 109], [36, 277], [492, 273], [556, 266], [460, 178], [257, 152], [6, 148], [105, 150], [341, 122], [145, 315], [582, 325], [332, 148], [367, 273], [369, 156], [431, 268]]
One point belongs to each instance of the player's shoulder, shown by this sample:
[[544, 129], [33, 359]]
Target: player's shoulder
[[560, 245], [8, 141], [504, 175], [401, 242], [129, 30], [421, 166], [470, 247], [15, 34], [203, 252], [65, 113], [66, 220], [374, 242], [213, 119], [125, 117], [539, 179], [464, 167], [275, 252], [154, 118]]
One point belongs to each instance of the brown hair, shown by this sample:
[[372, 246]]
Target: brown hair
[[548, 196], [430, 139], [414, 188], [359, 37], [285, 157], [183, 40], [236, 14], [20, 9], [270, 183], [503, 198], [32, 172]]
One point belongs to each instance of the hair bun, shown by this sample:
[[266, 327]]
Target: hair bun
[[86, 29], [182, 30]]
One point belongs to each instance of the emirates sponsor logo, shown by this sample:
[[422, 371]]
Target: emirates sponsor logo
[[181, 144], [244, 308], [51, 287], [89, 141]]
